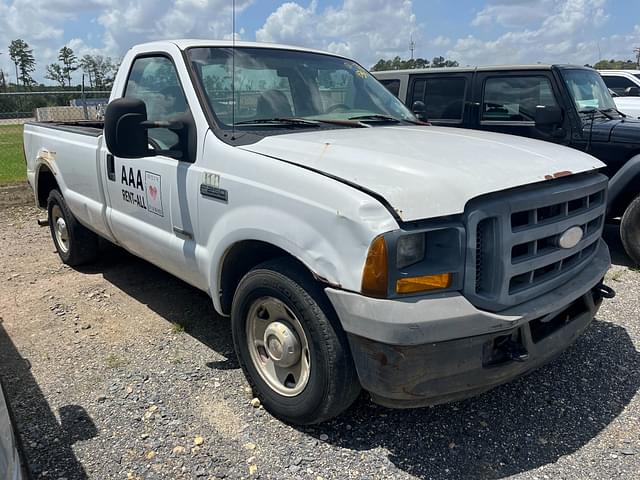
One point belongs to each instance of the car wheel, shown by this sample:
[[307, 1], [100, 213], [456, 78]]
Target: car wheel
[[630, 230], [75, 243], [290, 344]]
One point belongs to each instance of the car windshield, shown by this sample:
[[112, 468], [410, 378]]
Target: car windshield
[[588, 90], [275, 85]]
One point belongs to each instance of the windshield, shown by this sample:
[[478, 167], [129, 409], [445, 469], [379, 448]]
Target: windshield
[[588, 90], [286, 84]]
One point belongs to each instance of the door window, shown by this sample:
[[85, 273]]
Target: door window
[[443, 97], [392, 85], [154, 80], [514, 99], [618, 84]]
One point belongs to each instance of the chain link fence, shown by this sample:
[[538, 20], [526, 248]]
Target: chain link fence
[[16, 108]]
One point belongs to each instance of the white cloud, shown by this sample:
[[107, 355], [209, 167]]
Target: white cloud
[[365, 30], [547, 31], [120, 24]]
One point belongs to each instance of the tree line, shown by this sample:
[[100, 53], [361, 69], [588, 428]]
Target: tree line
[[100, 70], [399, 64]]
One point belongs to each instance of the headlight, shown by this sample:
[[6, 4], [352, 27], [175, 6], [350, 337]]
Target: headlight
[[410, 250], [401, 263]]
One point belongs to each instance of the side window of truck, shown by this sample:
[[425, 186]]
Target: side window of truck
[[514, 99], [154, 80], [618, 84], [393, 85], [443, 97]]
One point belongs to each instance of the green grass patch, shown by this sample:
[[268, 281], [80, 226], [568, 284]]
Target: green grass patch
[[12, 167]]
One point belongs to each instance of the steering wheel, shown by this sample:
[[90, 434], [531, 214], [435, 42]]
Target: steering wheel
[[337, 106]]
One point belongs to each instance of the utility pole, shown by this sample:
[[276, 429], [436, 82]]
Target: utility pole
[[637, 52], [412, 46]]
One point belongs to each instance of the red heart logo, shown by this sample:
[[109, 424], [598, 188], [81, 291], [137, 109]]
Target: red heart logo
[[153, 191]]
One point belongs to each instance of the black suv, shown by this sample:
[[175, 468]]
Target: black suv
[[568, 105]]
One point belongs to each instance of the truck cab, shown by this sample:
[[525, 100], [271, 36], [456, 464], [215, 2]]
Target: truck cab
[[563, 104], [352, 245]]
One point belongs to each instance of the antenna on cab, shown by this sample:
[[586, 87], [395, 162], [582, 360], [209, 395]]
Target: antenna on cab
[[233, 69]]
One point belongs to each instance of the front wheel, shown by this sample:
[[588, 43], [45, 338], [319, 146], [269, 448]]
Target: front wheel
[[291, 347], [630, 230]]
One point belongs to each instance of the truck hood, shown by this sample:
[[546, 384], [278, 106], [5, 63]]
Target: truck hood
[[425, 172]]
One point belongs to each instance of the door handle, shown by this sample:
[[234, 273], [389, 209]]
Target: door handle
[[182, 233], [111, 168]]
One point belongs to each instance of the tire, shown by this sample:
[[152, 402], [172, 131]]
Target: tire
[[630, 230], [331, 385], [75, 244]]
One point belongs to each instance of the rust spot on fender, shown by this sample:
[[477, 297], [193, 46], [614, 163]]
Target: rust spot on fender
[[564, 173]]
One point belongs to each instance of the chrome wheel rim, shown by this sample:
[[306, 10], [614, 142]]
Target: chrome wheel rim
[[278, 346], [60, 229]]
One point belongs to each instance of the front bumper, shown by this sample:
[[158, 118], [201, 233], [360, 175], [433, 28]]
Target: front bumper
[[422, 352]]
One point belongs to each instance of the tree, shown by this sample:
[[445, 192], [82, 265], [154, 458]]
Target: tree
[[22, 57], [615, 65], [3, 80], [88, 67], [398, 64], [69, 63], [56, 73], [100, 70]]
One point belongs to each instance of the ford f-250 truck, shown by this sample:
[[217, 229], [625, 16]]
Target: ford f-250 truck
[[352, 245]]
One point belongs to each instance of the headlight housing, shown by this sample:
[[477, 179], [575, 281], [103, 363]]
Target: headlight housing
[[415, 262]]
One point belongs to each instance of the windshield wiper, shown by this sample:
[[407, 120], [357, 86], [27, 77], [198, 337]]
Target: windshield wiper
[[383, 118], [386, 118], [593, 111], [300, 122], [623, 115], [279, 121]]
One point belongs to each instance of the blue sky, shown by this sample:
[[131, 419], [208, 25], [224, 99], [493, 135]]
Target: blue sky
[[473, 32]]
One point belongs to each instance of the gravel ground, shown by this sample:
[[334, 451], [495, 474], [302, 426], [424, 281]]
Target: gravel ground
[[120, 371]]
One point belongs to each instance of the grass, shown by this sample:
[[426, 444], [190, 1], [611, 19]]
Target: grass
[[177, 328], [12, 167]]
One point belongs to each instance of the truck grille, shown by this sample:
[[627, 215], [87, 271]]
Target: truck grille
[[514, 239]]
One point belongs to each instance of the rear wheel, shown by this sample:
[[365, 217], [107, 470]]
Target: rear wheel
[[75, 243], [630, 230], [291, 347]]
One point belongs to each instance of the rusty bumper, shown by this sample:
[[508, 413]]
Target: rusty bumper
[[418, 375]]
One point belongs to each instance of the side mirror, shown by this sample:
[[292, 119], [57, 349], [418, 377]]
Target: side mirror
[[632, 92], [124, 129], [548, 115], [419, 109]]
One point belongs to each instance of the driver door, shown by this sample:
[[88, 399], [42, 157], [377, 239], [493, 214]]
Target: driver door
[[506, 103], [149, 210]]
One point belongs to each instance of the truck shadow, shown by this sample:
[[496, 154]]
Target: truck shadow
[[514, 428], [46, 443]]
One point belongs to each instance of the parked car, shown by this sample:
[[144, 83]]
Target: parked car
[[625, 83], [11, 467], [351, 244], [628, 105], [567, 105]]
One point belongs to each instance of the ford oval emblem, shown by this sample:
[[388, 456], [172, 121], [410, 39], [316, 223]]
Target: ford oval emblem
[[571, 237]]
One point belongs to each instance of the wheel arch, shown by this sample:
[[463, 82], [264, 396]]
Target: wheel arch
[[244, 255], [45, 181], [624, 186]]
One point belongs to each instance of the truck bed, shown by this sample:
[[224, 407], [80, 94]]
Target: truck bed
[[84, 127]]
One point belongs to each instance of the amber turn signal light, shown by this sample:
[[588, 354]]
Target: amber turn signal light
[[375, 274], [423, 283]]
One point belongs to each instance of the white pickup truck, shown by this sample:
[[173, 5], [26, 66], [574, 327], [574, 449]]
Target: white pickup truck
[[352, 245]]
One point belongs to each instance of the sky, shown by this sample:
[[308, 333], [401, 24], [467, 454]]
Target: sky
[[473, 32]]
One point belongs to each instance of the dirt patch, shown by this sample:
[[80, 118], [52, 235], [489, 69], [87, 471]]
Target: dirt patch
[[16, 194]]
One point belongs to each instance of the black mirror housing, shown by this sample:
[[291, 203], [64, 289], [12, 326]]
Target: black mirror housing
[[124, 130], [632, 92], [419, 109], [548, 115]]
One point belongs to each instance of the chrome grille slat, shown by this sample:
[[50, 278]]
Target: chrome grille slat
[[518, 257]]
